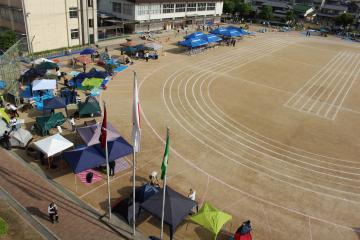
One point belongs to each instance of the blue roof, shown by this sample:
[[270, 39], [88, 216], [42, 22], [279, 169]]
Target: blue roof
[[193, 42], [211, 38], [85, 158], [195, 35]]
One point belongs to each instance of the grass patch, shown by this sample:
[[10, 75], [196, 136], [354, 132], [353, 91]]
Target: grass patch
[[3, 227]]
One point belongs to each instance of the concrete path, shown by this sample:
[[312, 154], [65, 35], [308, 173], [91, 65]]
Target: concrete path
[[33, 193]]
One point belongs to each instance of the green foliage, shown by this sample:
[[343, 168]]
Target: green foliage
[[229, 6], [290, 16], [7, 39], [266, 13], [3, 227], [344, 19], [244, 9]]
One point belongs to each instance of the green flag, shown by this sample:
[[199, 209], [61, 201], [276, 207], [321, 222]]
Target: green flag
[[166, 156]]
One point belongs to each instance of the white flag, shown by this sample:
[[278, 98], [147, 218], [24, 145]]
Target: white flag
[[136, 132]]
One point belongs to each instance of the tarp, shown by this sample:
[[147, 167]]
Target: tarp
[[20, 138], [193, 42], [4, 115], [90, 134], [211, 38], [47, 65], [144, 192], [177, 207], [53, 145], [85, 158], [54, 103], [153, 46], [195, 35], [43, 84], [32, 74], [83, 59], [93, 73], [87, 51], [211, 218], [90, 83], [89, 107]]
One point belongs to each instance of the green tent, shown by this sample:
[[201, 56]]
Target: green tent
[[46, 65], [90, 83], [90, 107], [4, 115], [211, 218], [45, 123]]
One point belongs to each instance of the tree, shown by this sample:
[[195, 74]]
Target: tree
[[7, 39], [266, 13], [229, 6], [290, 16], [344, 19], [244, 9]]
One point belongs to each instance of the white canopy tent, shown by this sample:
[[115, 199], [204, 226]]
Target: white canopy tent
[[53, 145], [43, 84], [20, 138]]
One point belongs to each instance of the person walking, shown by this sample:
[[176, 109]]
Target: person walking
[[234, 42], [112, 165], [53, 212]]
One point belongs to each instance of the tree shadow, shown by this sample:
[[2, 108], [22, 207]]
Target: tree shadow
[[37, 212]]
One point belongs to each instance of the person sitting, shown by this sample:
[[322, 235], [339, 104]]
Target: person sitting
[[154, 181]]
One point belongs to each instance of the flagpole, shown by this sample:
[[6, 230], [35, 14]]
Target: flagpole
[[107, 172], [134, 212], [163, 209]]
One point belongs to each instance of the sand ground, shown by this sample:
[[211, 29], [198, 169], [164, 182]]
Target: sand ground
[[265, 131]]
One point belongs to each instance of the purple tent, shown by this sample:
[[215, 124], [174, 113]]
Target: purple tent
[[90, 134], [85, 158]]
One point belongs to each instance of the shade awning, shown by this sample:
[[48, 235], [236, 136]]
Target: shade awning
[[90, 134], [53, 145], [43, 84]]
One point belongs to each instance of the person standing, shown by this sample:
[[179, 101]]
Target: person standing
[[6, 140], [234, 42], [84, 67], [147, 56], [112, 168], [53, 212]]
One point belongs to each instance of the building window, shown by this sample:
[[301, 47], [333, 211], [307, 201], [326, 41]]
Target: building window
[[168, 8], [210, 6], [180, 7], [191, 7], [201, 6], [128, 8], [91, 22], [143, 9], [74, 33], [90, 3], [73, 12], [116, 7], [155, 8]]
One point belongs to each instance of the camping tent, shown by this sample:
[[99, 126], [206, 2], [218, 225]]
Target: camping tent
[[53, 145], [193, 42], [20, 138], [43, 84], [89, 107], [177, 207], [47, 65], [211, 218], [4, 115], [90, 83], [54, 103], [90, 134], [45, 123], [85, 158], [195, 35]]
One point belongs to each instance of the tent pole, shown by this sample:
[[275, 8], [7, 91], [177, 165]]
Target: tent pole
[[163, 209], [108, 177], [134, 179]]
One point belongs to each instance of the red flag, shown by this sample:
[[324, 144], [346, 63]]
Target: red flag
[[102, 138]]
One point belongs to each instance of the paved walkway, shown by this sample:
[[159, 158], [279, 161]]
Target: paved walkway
[[34, 193]]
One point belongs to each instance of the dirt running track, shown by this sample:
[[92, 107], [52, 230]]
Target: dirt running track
[[266, 131]]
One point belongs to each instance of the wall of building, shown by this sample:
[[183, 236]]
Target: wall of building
[[11, 15]]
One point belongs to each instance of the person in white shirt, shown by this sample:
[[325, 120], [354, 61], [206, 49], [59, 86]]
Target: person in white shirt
[[192, 194], [53, 212], [13, 122]]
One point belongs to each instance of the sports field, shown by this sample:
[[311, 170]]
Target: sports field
[[267, 131]]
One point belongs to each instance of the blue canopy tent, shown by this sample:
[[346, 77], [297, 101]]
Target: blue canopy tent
[[231, 33], [87, 51], [240, 30], [54, 103], [85, 158], [211, 38], [219, 31], [144, 192], [193, 42], [195, 35]]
